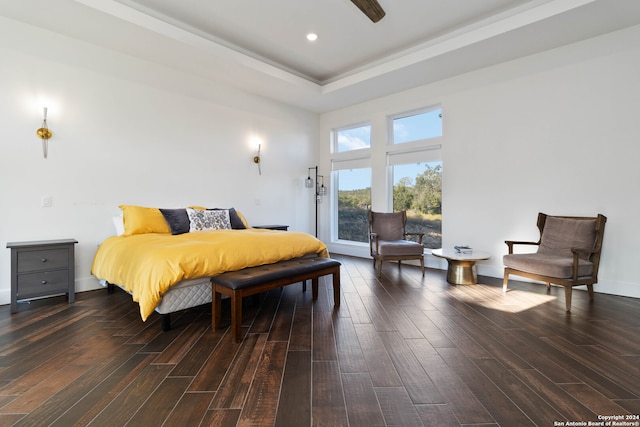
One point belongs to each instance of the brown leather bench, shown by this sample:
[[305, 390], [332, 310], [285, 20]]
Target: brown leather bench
[[254, 280]]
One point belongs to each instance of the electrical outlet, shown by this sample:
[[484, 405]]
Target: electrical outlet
[[47, 202]]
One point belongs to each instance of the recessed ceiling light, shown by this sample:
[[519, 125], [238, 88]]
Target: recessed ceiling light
[[312, 37]]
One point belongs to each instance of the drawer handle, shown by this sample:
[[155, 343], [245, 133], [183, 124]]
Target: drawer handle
[[44, 282], [44, 260]]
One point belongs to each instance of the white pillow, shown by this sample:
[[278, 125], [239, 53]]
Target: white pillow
[[208, 220], [118, 222]]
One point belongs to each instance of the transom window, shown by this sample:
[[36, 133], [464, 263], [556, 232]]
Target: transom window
[[416, 126], [353, 138]]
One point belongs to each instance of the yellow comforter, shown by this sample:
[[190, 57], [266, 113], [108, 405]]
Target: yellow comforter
[[147, 265]]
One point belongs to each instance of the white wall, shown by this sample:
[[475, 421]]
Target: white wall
[[129, 132], [556, 132]]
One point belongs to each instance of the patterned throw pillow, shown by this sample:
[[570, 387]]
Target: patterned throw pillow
[[208, 220]]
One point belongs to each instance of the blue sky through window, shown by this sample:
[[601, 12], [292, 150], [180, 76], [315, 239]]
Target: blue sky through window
[[418, 126], [354, 179]]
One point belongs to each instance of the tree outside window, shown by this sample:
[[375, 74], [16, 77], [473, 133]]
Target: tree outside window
[[417, 189], [354, 201]]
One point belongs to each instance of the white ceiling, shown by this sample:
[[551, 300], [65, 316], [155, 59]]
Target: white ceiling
[[260, 45]]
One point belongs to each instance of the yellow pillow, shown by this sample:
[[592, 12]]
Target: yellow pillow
[[141, 220], [242, 218]]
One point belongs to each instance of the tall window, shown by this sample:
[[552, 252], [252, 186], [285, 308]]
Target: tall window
[[354, 200], [416, 172]]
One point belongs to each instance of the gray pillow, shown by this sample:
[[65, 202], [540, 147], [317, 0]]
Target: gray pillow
[[177, 219]]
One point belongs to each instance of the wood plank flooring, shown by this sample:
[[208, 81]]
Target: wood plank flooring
[[403, 350]]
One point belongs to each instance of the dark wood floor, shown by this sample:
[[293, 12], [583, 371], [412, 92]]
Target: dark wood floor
[[404, 350]]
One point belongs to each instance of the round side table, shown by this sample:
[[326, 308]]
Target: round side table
[[462, 267]]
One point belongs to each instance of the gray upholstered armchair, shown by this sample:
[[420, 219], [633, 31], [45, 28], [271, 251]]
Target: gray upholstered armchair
[[568, 253], [388, 239]]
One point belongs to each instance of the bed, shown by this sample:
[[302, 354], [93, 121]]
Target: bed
[[165, 258]]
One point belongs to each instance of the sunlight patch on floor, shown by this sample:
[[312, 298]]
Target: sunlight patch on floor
[[514, 301]]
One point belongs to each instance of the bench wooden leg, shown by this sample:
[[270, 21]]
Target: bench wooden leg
[[215, 309], [314, 288], [336, 288], [236, 315]]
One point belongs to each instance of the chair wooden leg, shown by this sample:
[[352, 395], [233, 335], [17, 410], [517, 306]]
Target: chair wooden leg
[[590, 290], [422, 265], [548, 285], [379, 267], [505, 282], [567, 297]]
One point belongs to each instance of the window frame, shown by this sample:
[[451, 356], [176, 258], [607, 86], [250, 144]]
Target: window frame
[[376, 158], [425, 150]]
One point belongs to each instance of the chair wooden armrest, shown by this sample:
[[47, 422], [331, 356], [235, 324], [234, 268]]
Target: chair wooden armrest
[[584, 251], [576, 257], [420, 236], [510, 244], [373, 241]]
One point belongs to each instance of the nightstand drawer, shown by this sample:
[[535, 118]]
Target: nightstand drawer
[[45, 259], [46, 282]]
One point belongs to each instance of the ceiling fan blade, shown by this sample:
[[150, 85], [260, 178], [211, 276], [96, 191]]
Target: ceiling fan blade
[[371, 8]]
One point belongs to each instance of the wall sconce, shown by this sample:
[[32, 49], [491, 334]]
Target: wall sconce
[[256, 160], [44, 133], [321, 190]]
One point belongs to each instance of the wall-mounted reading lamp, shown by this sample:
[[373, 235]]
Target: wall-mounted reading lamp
[[44, 133], [321, 190], [256, 160]]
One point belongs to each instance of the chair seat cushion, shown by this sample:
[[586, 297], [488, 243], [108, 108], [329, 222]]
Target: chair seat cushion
[[547, 265], [399, 248]]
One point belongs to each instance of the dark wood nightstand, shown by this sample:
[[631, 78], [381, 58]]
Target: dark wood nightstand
[[41, 269], [273, 227]]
